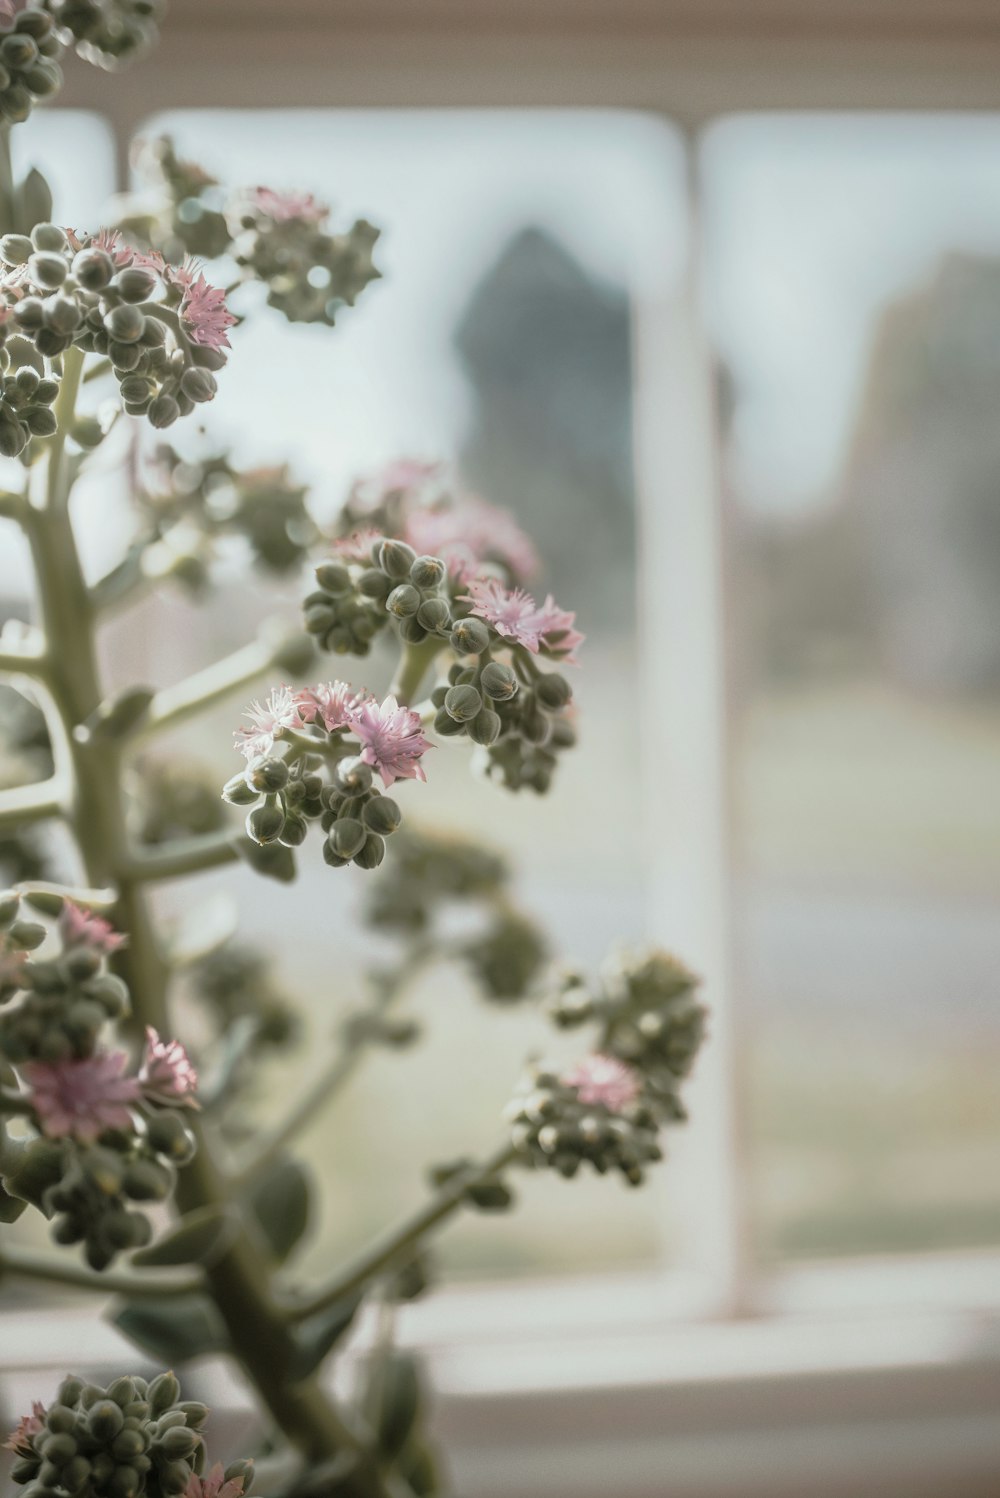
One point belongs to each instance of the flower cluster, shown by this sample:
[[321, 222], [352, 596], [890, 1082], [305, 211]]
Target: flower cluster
[[418, 502], [30, 48], [163, 327], [593, 1113], [105, 1137], [188, 500], [337, 740], [370, 583], [109, 33], [235, 983], [646, 1006], [130, 1439]]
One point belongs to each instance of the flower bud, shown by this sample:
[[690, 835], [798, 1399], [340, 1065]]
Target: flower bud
[[16, 249], [347, 837], [372, 853], [352, 775], [238, 792], [463, 703], [382, 815], [445, 725], [333, 577], [434, 614], [163, 1392], [48, 271], [498, 681], [198, 385], [412, 631], [428, 572], [485, 727], [470, 637], [268, 775], [134, 284], [553, 690], [48, 237], [40, 421], [125, 323], [164, 411], [403, 601], [93, 269], [294, 832], [135, 389], [396, 558], [265, 822], [105, 1419]]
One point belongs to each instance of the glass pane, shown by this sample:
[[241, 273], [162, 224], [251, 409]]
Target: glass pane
[[499, 339], [853, 284]]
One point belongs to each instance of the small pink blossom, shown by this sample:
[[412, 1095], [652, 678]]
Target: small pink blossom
[[515, 616], [213, 1484], [287, 207], [604, 1080], [469, 533], [203, 310], [81, 928], [269, 720], [331, 703], [393, 739], [166, 1075], [80, 1099], [409, 479], [19, 1440], [357, 547], [112, 243]]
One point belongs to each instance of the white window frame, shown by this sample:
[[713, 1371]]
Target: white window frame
[[830, 1379]]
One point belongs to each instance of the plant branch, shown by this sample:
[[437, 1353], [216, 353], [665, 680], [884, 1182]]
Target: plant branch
[[183, 855], [176, 705], [393, 1246], [57, 1271], [32, 803], [29, 659], [90, 899], [414, 663]]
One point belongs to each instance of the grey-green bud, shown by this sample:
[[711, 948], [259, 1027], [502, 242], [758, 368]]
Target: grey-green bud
[[463, 703], [470, 637], [264, 823], [428, 572], [553, 690], [485, 727], [498, 681], [372, 853], [347, 837], [396, 558], [434, 614], [382, 815], [403, 601]]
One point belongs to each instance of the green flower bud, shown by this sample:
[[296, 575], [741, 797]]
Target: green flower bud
[[382, 815], [372, 853], [134, 284], [238, 792], [27, 934], [49, 271], [50, 343], [463, 703], [470, 637], [40, 421], [498, 681], [136, 388], [124, 356], [428, 572], [352, 775], [412, 631], [396, 558], [105, 1419], [375, 584], [268, 775], [434, 614], [179, 1442], [485, 727], [146, 1181], [553, 690], [347, 837], [264, 824], [333, 577], [167, 1134], [164, 411], [92, 268], [445, 725], [294, 832], [16, 249], [403, 601], [59, 1449], [198, 385], [125, 323], [48, 237], [163, 1392]]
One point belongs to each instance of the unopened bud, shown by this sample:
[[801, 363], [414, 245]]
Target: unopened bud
[[396, 558], [428, 572], [463, 703], [498, 681], [382, 815]]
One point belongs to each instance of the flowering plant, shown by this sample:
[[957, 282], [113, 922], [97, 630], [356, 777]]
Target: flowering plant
[[111, 1126]]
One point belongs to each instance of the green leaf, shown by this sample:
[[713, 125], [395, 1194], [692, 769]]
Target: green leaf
[[318, 1336], [46, 901], [201, 1237], [11, 1207], [173, 1331], [35, 201], [394, 1398], [280, 1201]]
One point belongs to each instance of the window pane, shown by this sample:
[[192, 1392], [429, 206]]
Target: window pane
[[511, 249], [853, 283]]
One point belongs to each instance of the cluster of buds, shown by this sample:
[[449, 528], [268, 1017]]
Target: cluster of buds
[[30, 48], [163, 327], [25, 403], [594, 1113], [209, 496], [105, 1139], [235, 983], [109, 33], [336, 739], [175, 798], [649, 1016], [371, 583], [123, 1441], [283, 240]]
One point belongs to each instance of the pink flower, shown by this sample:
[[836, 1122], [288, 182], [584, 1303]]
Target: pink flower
[[470, 533], [167, 1075], [81, 928], [357, 547], [111, 242], [331, 703], [19, 1440], [213, 1484], [604, 1080], [80, 1099], [203, 310], [405, 478], [269, 719], [393, 739], [515, 616], [286, 207]]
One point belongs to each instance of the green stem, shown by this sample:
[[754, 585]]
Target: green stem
[[394, 1246], [90, 899], [32, 803], [25, 1265], [176, 705], [26, 660], [183, 855], [414, 663]]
